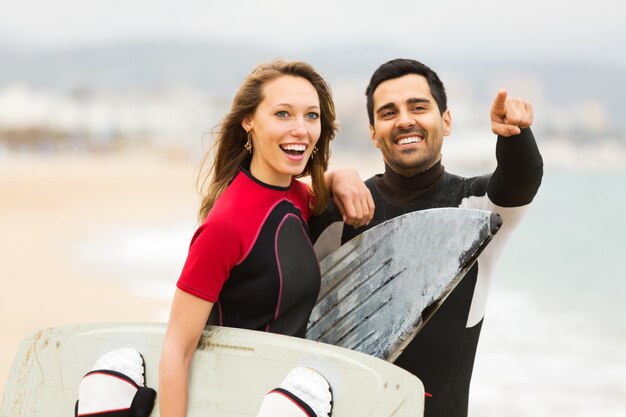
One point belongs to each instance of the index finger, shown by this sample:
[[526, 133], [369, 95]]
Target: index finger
[[499, 103]]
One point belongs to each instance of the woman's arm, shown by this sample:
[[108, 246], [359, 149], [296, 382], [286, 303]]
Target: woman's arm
[[351, 195], [187, 320]]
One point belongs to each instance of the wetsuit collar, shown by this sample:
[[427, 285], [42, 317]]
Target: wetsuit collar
[[400, 190], [246, 170]]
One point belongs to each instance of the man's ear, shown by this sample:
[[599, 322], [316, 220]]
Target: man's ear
[[446, 122], [373, 136]]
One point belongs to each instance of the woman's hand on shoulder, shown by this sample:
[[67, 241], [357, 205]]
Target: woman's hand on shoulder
[[351, 195]]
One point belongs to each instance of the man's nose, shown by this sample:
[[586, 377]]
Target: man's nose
[[405, 120]]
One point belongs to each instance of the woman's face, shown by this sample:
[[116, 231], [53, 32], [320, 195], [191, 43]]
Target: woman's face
[[284, 129]]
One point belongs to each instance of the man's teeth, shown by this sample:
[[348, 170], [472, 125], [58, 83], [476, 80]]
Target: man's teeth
[[412, 139]]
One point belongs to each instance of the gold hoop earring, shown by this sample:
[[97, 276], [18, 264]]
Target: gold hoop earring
[[313, 152], [248, 144]]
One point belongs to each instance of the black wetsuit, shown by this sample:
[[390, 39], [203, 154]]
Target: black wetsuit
[[442, 354]]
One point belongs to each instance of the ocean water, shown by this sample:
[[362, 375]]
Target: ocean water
[[146, 259], [554, 337]]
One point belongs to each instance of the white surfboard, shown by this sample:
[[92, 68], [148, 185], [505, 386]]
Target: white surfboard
[[380, 288], [231, 371], [374, 291]]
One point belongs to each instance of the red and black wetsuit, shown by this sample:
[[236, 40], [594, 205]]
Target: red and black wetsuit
[[252, 257]]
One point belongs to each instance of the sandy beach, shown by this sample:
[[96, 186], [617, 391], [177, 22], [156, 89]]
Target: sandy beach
[[52, 204], [47, 205]]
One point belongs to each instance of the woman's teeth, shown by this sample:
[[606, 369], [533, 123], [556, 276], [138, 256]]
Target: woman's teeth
[[293, 149]]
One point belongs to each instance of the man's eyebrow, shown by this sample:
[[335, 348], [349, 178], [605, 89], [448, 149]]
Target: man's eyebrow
[[412, 100], [386, 107], [415, 100]]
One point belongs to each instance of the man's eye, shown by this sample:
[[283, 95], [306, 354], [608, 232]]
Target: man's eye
[[419, 108], [313, 116], [282, 113], [387, 114]]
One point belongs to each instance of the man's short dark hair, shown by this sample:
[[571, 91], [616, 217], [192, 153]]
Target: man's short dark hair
[[397, 68]]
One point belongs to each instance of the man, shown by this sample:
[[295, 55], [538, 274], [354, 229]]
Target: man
[[408, 115]]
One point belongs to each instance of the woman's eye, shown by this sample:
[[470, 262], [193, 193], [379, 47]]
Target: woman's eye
[[312, 116], [282, 114]]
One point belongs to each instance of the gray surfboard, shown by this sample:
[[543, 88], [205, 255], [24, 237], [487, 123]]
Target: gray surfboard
[[380, 288], [231, 371]]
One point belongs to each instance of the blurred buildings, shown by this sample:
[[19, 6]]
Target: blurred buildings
[[166, 99], [168, 120]]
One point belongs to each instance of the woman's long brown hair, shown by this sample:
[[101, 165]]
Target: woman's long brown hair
[[232, 137]]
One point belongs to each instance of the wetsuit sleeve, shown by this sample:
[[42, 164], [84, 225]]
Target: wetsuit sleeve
[[303, 198], [520, 168], [510, 190], [215, 249]]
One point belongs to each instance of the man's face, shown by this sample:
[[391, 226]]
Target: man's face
[[408, 128]]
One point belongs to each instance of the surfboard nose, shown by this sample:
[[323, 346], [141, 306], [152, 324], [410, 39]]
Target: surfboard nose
[[495, 222]]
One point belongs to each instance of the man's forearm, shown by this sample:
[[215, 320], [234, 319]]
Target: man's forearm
[[520, 168]]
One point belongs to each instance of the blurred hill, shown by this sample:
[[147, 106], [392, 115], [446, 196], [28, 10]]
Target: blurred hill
[[575, 101], [219, 68]]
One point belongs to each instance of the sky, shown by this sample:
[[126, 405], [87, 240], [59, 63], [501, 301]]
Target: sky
[[566, 29]]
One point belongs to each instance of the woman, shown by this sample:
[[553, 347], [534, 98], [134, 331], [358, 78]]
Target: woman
[[251, 264]]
